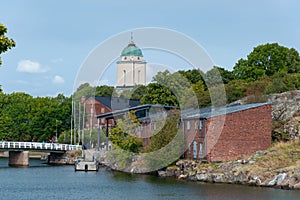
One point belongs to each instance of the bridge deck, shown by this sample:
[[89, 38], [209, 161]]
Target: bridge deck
[[37, 146]]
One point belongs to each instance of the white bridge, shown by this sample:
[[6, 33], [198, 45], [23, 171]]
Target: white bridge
[[37, 146], [19, 151]]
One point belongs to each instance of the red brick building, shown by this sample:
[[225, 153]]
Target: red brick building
[[227, 133], [149, 116], [213, 134], [99, 105]]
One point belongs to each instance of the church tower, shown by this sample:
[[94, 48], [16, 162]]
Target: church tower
[[131, 68]]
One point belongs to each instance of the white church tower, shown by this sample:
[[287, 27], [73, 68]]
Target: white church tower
[[131, 68]]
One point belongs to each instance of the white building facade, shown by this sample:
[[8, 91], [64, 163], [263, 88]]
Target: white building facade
[[131, 68]]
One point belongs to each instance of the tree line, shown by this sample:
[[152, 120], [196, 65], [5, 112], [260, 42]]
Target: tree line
[[25, 118]]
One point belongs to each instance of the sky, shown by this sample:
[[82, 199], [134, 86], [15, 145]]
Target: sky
[[55, 38]]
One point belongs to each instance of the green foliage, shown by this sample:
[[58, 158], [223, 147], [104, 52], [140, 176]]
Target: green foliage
[[235, 90], [159, 94], [256, 91], [266, 60], [279, 136], [282, 82], [218, 75], [5, 42], [193, 76], [84, 90], [89, 137], [172, 89], [166, 134], [24, 118], [105, 91], [166, 146], [138, 92], [123, 135]]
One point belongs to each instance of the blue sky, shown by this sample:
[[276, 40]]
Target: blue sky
[[55, 37]]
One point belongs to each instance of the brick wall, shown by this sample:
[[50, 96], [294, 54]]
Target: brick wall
[[232, 136], [94, 108], [243, 133], [193, 132]]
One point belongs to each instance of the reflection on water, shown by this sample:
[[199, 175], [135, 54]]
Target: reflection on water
[[40, 181]]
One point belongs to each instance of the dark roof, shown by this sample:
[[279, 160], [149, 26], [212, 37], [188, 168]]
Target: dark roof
[[209, 112], [113, 114], [117, 103]]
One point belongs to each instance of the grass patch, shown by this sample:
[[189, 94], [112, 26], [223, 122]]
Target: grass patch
[[280, 157]]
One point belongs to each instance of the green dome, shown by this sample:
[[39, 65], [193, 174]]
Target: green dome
[[132, 50]]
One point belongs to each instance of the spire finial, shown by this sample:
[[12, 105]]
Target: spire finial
[[131, 37]]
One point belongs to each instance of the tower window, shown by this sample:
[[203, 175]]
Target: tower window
[[124, 71], [125, 58], [139, 74], [138, 58]]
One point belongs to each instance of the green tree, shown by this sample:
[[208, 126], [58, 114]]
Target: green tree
[[25, 118], [194, 75], [5, 42], [256, 91], [282, 82], [84, 90], [166, 134], [167, 145], [159, 94], [170, 89], [267, 59], [105, 91], [123, 135], [138, 92], [236, 90], [218, 75]]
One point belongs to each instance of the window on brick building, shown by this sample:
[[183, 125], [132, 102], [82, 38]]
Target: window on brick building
[[102, 110], [201, 148], [194, 149], [200, 124], [196, 125], [154, 125], [188, 125]]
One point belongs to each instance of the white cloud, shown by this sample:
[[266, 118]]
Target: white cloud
[[29, 66], [58, 80]]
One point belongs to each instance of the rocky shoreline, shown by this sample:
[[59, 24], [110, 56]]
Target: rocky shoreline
[[235, 172]]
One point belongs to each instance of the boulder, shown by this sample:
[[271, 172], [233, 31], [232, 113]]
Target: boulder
[[277, 180], [201, 177]]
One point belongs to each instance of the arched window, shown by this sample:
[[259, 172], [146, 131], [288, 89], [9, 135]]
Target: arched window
[[124, 75], [139, 74]]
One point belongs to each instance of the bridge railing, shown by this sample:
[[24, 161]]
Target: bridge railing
[[38, 146]]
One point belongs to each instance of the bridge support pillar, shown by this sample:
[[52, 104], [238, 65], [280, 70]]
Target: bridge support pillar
[[18, 158], [57, 158]]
